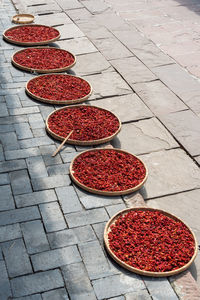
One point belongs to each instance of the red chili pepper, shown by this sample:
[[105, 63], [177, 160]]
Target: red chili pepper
[[151, 241]]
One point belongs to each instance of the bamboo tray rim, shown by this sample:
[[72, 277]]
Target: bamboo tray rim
[[107, 193], [83, 143], [30, 43], [55, 101], [16, 21], [42, 70], [138, 271]]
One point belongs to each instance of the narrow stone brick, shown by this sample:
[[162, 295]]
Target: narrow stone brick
[[5, 291], [36, 167], [68, 156], [9, 141], [39, 132], [20, 182], [55, 258], [44, 183], [59, 294], [4, 179], [61, 169], [68, 199], [86, 217], [7, 201], [113, 209], [35, 198], [36, 283], [46, 152], [36, 142], [10, 232], [160, 288], [99, 230], [34, 236], [19, 215], [32, 297], [13, 101], [13, 165], [1, 153], [23, 131], [1, 255], [52, 217], [3, 110], [21, 153], [36, 121], [77, 282], [141, 295], [6, 128], [23, 110], [16, 257], [13, 120]]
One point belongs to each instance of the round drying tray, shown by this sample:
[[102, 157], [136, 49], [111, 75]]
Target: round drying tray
[[29, 43], [107, 192], [136, 270], [84, 142], [45, 56], [23, 19], [54, 101]]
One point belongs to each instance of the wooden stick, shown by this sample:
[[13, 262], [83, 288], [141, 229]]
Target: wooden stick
[[58, 149]]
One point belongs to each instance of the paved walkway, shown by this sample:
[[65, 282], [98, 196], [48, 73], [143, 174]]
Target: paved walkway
[[50, 231]]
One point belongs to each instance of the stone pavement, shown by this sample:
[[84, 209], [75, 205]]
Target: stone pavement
[[51, 232]]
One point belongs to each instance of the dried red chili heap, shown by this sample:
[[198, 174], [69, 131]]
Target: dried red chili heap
[[88, 123], [31, 34], [108, 170], [44, 58], [59, 87], [151, 241]]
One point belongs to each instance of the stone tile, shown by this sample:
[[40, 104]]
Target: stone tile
[[196, 158], [118, 298], [60, 169], [143, 137], [139, 295], [52, 216], [13, 119], [46, 110], [34, 236], [169, 172], [79, 15], [9, 141], [32, 297], [116, 285], [20, 182], [160, 288], [6, 128], [99, 230], [59, 294], [55, 19], [12, 101], [127, 108], [108, 84], [92, 29], [7, 201], [133, 70], [36, 167], [47, 152], [1, 153], [16, 257], [5, 291], [69, 237], [86, 217], [77, 282], [158, 97], [13, 165], [39, 132], [36, 142], [69, 4], [19, 215], [3, 110], [185, 126], [39, 282], [68, 199], [55, 258], [9, 232], [35, 198], [4, 179], [78, 46], [68, 31], [96, 7], [44, 183], [23, 110], [113, 209], [23, 131], [98, 64], [36, 121], [21, 153], [50, 7]]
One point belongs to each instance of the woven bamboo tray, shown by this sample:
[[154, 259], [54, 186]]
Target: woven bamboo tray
[[40, 71], [138, 271], [23, 19], [54, 101], [107, 193], [30, 43], [77, 142]]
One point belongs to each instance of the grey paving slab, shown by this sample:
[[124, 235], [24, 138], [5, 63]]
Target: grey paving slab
[[113, 209], [97, 64], [65, 5], [13, 119], [3, 110], [79, 15], [13, 165], [116, 285], [127, 108], [160, 288], [7, 201], [108, 84], [39, 282], [69, 237], [118, 298], [5, 290], [143, 137], [52, 216], [20, 182], [36, 121], [23, 131], [39, 132], [36, 142], [4, 179], [59, 294], [50, 7], [36, 167], [9, 141], [16, 257], [78, 46], [6, 128], [91, 28], [19, 215], [70, 31], [10, 232], [96, 7], [47, 152], [44, 183], [46, 110], [35, 198], [77, 282], [159, 98], [23, 110], [13, 101], [34, 236], [1, 154], [33, 297], [55, 258], [21, 153], [86, 217], [99, 230], [175, 173], [55, 19], [185, 126], [60, 169], [68, 199], [140, 295]]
